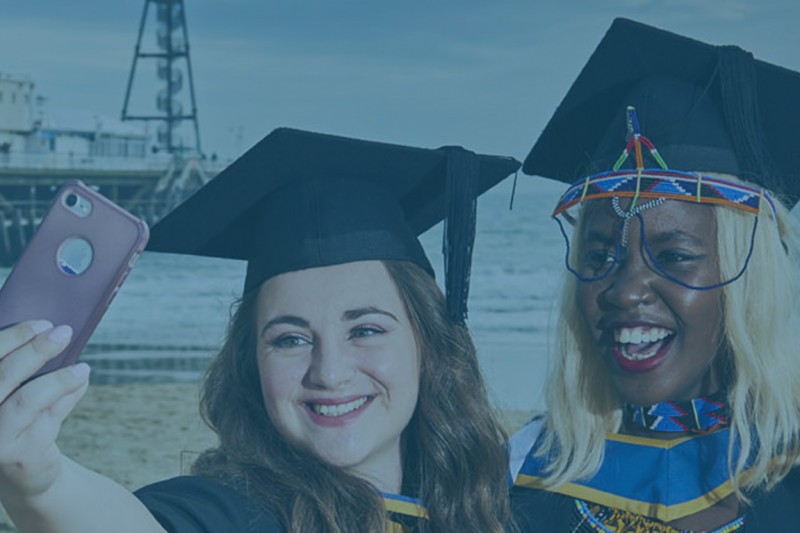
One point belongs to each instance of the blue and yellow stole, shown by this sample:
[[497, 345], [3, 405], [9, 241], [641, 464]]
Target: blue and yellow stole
[[663, 479], [403, 514]]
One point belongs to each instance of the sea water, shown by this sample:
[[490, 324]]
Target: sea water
[[171, 314]]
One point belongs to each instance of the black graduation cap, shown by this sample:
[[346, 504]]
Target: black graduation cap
[[706, 108], [299, 200]]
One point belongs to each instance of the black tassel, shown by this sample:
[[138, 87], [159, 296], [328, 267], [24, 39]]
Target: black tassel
[[461, 190], [738, 84]]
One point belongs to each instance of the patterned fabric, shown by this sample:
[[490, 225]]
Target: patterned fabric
[[694, 416], [597, 518]]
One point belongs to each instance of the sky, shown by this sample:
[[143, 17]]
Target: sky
[[486, 75]]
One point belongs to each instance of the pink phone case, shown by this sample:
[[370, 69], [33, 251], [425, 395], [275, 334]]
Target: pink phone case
[[73, 266]]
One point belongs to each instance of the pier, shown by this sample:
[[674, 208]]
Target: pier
[[148, 187], [147, 173]]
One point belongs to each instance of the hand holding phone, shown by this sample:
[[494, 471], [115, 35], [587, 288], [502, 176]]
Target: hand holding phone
[[73, 266], [31, 416]]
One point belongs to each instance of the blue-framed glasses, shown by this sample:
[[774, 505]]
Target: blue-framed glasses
[[676, 257]]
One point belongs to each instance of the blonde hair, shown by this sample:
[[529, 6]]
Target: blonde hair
[[763, 365]]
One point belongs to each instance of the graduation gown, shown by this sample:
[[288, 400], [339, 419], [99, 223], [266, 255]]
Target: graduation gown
[[651, 481], [193, 504]]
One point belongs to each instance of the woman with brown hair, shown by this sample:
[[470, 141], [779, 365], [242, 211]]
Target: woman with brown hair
[[347, 395]]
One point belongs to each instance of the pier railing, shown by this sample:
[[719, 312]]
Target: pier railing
[[59, 161], [149, 187], [55, 161]]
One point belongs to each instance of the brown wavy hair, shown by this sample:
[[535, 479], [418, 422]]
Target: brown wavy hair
[[453, 458]]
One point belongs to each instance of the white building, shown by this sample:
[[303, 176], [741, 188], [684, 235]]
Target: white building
[[33, 137], [86, 134], [16, 113]]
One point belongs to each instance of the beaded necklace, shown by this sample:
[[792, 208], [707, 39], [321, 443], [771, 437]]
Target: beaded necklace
[[698, 415]]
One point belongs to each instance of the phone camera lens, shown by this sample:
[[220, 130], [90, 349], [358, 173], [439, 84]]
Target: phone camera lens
[[71, 200]]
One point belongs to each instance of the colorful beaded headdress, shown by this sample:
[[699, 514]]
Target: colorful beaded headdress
[[660, 183], [657, 185]]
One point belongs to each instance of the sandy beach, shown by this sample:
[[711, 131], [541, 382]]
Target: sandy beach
[[140, 433]]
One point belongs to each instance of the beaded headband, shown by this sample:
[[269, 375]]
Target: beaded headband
[[658, 183]]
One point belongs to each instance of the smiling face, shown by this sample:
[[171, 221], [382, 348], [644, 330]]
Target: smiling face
[[658, 339], [339, 366]]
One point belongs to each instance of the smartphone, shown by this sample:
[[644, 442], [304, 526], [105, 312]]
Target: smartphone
[[73, 266]]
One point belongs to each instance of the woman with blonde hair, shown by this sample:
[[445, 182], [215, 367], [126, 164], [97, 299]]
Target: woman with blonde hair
[[672, 403]]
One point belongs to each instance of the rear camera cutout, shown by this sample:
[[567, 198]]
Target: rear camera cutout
[[74, 256], [76, 203]]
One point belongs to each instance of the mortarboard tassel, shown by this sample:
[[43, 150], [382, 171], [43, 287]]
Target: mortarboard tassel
[[738, 84], [461, 188]]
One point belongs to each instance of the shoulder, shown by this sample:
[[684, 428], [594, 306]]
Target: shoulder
[[537, 510], [776, 510], [194, 504], [521, 443]]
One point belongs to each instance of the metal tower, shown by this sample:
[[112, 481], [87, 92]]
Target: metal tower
[[171, 50]]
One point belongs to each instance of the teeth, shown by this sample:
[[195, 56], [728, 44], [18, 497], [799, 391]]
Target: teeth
[[338, 409], [637, 356], [640, 335]]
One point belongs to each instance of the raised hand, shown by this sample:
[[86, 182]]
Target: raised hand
[[31, 412]]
